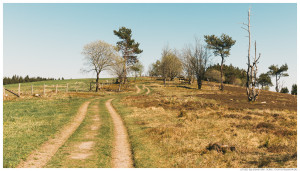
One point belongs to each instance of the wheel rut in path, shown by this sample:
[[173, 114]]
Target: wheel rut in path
[[121, 154], [138, 90], [43, 154], [148, 90]]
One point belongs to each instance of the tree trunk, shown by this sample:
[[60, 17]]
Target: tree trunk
[[199, 82], [97, 81], [222, 87], [190, 81], [248, 69], [165, 81], [120, 86], [277, 90], [125, 71]]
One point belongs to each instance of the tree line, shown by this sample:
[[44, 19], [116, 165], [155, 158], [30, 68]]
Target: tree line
[[232, 75], [192, 62], [19, 79]]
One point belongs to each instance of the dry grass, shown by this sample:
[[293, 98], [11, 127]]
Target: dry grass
[[184, 124]]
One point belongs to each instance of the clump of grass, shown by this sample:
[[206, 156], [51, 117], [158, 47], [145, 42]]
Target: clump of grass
[[266, 143], [247, 117], [284, 132], [264, 161], [232, 116], [220, 147], [265, 125], [181, 114]]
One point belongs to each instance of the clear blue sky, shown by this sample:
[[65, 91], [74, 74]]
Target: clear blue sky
[[47, 39]]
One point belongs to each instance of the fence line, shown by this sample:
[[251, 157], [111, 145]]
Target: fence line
[[19, 89], [44, 89]]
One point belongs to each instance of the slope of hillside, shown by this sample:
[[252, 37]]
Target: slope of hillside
[[209, 128]]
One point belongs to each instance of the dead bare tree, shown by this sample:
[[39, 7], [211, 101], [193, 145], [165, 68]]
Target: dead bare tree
[[252, 67]]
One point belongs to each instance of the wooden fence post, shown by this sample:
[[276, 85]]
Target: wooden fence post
[[19, 89], [67, 87], [56, 89], [90, 86], [4, 91], [31, 89], [44, 91]]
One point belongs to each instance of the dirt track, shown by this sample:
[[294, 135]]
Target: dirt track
[[138, 90], [121, 154], [148, 90], [41, 156]]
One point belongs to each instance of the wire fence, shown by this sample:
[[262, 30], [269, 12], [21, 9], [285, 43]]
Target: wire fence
[[44, 89]]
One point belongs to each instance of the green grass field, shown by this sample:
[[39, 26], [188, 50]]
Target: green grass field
[[73, 85], [79, 85], [28, 123]]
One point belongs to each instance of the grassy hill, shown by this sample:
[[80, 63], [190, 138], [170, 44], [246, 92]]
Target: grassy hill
[[180, 126], [173, 126]]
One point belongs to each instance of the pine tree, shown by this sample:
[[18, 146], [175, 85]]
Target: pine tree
[[128, 47], [278, 73], [221, 47]]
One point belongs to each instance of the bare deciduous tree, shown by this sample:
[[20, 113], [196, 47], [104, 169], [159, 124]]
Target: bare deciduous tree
[[196, 58], [187, 65], [117, 68], [170, 66], [137, 69], [98, 57]]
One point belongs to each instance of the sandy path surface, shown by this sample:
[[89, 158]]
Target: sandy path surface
[[121, 154], [138, 90], [42, 155], [148, 90]]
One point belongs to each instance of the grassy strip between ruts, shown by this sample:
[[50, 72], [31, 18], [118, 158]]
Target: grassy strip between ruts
[[102, 140], [143, 90], [145, 153], [27, 124]]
